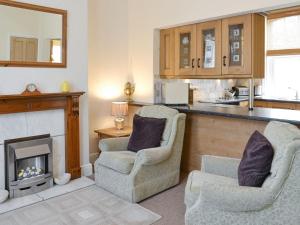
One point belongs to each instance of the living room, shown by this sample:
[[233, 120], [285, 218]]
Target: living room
[[149, 112]]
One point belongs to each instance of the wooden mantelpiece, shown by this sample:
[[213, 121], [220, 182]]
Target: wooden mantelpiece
[[49, 101]]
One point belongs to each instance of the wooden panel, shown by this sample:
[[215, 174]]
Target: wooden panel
[[258, 46], [245, 68], [217, 26], [279, 52], [167, 52], [279, 13], [192, 68], [215, 135], [67, 101], [275, 105]]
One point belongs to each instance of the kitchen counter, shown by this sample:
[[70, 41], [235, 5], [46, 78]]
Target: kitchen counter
[[260, 114]]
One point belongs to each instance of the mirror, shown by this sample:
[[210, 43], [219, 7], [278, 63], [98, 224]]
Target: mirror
[[32, 35]]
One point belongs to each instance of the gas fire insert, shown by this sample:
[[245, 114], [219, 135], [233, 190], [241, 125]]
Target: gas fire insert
[[28, 165]]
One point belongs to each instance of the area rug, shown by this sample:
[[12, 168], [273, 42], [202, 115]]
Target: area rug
[[88, 206]]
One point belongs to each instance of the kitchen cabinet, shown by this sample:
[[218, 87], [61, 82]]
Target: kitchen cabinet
[[167, 52], [243, 46], [229, 48], [185, 50], [209, 48], [276, 105]]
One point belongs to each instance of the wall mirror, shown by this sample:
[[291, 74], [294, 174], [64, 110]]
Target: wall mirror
[[32, 36]]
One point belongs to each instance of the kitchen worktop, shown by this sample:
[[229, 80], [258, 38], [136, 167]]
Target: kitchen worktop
[[262, 114]]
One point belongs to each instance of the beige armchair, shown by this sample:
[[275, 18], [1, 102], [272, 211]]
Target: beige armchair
[[136, 176]]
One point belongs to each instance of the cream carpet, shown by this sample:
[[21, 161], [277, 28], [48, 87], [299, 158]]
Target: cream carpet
[[169, 204], [88, 206]]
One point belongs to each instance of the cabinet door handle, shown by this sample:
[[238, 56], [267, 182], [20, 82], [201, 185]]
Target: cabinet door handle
[[224, 61], [193, 61], [198, 63]]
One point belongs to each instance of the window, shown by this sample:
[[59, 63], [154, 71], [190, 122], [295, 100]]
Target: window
[[283, 56]]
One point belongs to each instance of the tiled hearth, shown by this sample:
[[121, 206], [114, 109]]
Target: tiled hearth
[[19, 125]]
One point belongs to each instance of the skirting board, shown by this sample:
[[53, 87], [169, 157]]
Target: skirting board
[[87, 170]]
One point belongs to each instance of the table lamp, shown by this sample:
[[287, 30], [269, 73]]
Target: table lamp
[[119, 110]]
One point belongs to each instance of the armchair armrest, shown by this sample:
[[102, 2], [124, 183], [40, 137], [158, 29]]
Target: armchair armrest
[[114, 144], [235, 198], [222, 166], [152, 156]]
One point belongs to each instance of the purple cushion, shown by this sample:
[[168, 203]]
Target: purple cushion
[[256, 162], [146, 133]]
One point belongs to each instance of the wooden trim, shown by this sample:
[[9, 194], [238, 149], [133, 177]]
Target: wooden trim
[[280, 13], [67, 101], [295, 51], [61, 12]]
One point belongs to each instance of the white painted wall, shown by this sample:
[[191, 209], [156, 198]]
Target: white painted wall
[[108, 61], [14, 80]]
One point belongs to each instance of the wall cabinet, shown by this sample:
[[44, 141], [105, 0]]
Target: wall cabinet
[[185, 50], [228, 48]]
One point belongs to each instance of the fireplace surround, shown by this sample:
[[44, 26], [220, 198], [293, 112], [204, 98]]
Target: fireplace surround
[[28, 165]]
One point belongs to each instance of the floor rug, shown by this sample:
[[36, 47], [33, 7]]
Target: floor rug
[[88, 206]]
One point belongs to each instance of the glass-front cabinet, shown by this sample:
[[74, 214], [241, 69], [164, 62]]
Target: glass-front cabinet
[[209, 48], [185, 50], [236, 46]]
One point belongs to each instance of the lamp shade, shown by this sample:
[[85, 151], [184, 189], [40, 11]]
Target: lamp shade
[[119, 109]]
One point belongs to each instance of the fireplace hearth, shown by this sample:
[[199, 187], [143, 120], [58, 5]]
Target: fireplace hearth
[[28, 165]]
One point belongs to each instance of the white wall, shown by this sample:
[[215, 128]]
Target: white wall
[[14, 80], [108, 61]]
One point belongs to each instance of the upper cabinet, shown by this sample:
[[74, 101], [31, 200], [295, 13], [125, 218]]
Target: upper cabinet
[[209, 48], [185, 50], [229, 48], [243, 46]]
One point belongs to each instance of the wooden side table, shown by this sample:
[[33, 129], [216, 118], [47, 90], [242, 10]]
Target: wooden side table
[[113, 132]]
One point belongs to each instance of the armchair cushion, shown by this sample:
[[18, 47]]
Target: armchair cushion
[[147, 133], [197, 179], [120, 161]]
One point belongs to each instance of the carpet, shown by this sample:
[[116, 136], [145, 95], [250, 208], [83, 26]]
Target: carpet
[[88, 206]]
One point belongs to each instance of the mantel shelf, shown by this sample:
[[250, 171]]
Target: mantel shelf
[[42, 95], [69, 102]]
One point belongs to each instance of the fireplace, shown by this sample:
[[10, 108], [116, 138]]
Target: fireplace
[[28, 165]]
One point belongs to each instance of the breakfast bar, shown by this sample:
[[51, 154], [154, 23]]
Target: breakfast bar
[[221, 130]]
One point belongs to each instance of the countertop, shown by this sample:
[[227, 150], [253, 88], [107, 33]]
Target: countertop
[[261, 114]]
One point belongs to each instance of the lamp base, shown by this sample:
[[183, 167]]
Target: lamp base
[[119, 123]]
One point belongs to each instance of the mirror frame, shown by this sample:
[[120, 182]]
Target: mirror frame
[[61, 12]]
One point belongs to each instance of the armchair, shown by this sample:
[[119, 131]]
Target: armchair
[[213, 195], [136, 176]]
